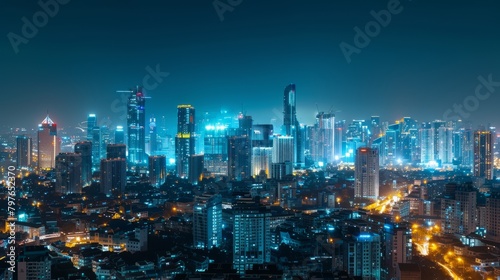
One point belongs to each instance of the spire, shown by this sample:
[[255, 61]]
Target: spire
[[47, 120]]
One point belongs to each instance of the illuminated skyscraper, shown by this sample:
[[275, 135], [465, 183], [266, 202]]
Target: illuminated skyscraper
[[239, 158], [207, 221], [322, 143], [185, 139], [215, 147], [23, 151], [136, 124], [69, 173], [261, 161], [366, 173], [119, 135], [48, 144], [152, 136], [85, 151], [96, 146], [91, 123], [291, 126], [426, 143], [483, 154], [283, 149]]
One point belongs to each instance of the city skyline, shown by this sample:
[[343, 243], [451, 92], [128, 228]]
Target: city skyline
[[241, 57]]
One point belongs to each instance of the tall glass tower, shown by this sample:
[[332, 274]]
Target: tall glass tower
[[291, 126], [48, 144], [184, 140], [136, 123]]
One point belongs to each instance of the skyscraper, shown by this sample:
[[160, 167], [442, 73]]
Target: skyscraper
[[184, 140], [291, 126], [96, 146], [119, 135], [483, 154], [362, 255], [85, 151], [239, 158], [116, 151], [322, 143], [262, 135], [113, 176], [283, 149], [152, 135], [366, 173], [207, 221], [251, 235], [261, 161], [91, 123], [215, 147], [48, 144], [157, 170], [24, 148], [69, 173], [136, 124], [195, 169], [426, 143]]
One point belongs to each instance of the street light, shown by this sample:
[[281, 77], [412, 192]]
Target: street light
[[460, 260]]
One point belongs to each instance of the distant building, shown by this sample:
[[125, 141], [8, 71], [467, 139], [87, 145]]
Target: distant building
[[215, 145], [116, 151], [48, 144], [185, 139], [157, 170], [196, 169], [84, 149], [261, 161], [283, 149], [483, 154], [262, 135], [239, 158], [136, 126], [207, 221], [291, 126], [119, 135], [322, 144], [91, 123], [24, 147], [366, 173], [69, 173], [113, 176]]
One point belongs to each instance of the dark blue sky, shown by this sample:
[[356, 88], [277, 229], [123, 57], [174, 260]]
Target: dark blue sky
[[427, 58]]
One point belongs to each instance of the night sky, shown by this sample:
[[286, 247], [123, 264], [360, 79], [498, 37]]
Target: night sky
[[425, 60]]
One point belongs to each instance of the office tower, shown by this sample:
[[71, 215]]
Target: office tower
[[483, 154], [466, 195], [262, 135], [153, 137], [48, 144], [366, 173], [113, 176], [195, 169], [492, 214], [69, 173], [184, 140], [215, 145], [34, 263], [96, 146], [116, 151], [91, 123], [239, 158], [426, 143], [251, 234], [283, 149], [392, 149], [445, 148], [458, 146], [157, 170], [375, 128], [105, 141], [119, 135], [361, 255], [261, 161], [291, 126], [323, 145], [340, 135], [280, 170], [245, 125], [207, 221], [414, 143], [84, 149], [436, 125], [136, 124], [398, 246], [468, 148], [24, 148]]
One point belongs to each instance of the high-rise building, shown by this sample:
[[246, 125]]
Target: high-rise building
[[48, 144], [445, 141], [492, 214], [116, 151], [215, 147], [69, 173], [153, 137], [483, 154], [466, 195], [262, 135], [136, 124], [113, 176], [24, 148], [251, 234], [261, 161], [34, 263], [96, 146], [207, 221], [283, 149], [426, 143], [157, 170], [91, 123], [196, 167], [119, 135], [362, 255], [291, 126], [366, 173], [322, 144], [85, 150], [398, 246], [185, 139], [239, 158]]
